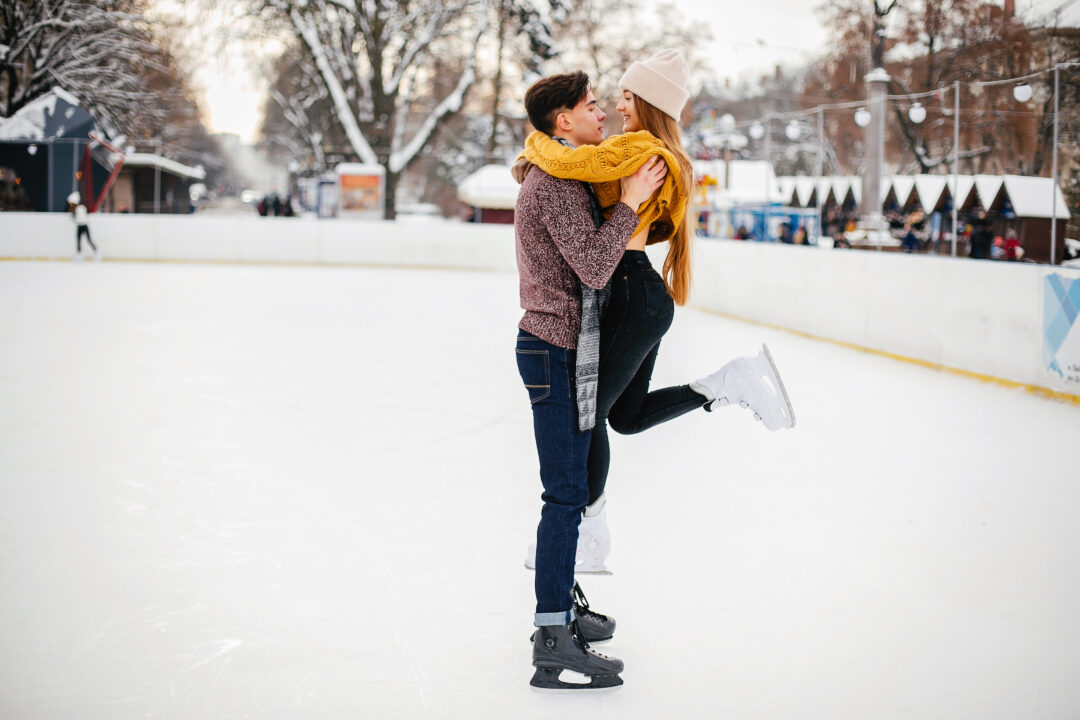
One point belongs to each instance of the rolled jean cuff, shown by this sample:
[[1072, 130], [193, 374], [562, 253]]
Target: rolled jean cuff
[[564, 617]]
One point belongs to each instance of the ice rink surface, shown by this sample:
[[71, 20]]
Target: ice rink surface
[[306, 492]]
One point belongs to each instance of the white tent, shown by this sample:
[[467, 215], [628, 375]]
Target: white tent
[[492, 186]]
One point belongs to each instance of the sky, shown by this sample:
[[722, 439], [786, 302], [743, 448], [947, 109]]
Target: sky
[[749, 39]]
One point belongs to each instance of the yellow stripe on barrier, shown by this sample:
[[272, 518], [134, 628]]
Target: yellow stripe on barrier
[[1011, 384]]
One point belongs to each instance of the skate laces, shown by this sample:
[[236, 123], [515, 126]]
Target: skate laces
[[581, 604], [582, 643]]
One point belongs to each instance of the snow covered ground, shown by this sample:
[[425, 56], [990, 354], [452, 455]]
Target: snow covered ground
[[306, 492]]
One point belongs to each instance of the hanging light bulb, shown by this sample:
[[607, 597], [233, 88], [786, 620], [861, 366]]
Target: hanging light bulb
[[757, 131], [1022, 92], [862, 117], [916, 113], [32, 149], [793, 131]]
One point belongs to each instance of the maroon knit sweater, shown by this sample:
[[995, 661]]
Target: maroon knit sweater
[[557, 244]]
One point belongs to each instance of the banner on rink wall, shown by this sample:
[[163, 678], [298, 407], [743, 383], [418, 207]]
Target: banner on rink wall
[[1061, 331]]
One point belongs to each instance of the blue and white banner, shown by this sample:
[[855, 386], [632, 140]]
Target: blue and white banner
[[1061, 331]]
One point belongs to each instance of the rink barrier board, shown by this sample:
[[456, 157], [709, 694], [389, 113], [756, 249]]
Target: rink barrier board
[[1043, 392], [978, 318]]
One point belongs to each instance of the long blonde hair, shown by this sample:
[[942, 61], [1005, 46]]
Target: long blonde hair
[[677, 264]]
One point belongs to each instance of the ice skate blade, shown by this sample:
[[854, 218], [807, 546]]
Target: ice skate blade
[[779, 384], [550, 678], [599, 571], [577, 571]]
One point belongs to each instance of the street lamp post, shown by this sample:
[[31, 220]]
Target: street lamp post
[[956, 160], [877, 80], [820, 167], [1054, 176], [767, 209]]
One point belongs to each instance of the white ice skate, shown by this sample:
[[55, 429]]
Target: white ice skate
[[753, 383], [594, 541]]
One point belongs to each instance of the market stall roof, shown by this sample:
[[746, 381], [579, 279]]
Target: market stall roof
[[902, 185], [928, 190], [492, 186], [156, 161], [1033, 197], [987, 187], [56, 114]]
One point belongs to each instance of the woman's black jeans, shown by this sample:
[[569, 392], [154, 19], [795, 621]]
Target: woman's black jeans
[[639, 313]]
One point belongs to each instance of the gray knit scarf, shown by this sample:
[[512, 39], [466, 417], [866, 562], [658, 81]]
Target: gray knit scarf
[[593, 305]]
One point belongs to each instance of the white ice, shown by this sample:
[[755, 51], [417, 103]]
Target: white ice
[[306, 492]]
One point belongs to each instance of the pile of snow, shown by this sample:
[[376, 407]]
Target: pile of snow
[[492, 186]]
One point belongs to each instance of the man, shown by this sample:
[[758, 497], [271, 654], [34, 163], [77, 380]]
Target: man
[[559, 246]]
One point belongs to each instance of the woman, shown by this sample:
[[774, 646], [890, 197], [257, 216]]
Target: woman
[[639, 302]]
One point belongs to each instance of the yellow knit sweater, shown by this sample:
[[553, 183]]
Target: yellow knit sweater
[[603, 165]]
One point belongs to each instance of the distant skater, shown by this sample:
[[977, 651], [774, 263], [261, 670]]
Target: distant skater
[[82, 220]]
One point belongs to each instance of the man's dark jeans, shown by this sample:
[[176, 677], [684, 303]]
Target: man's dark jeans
[[548, 374]]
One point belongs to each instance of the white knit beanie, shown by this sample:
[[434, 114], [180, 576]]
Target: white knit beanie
[[660, 81]]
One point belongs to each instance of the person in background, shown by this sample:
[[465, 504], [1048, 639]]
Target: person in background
[[785, 234], [910, 242], [982, 235], [81, 216], [800, 236], [1013, 251]]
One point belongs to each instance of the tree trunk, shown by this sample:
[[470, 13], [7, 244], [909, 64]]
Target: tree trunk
[[390, 212], [498, 82]]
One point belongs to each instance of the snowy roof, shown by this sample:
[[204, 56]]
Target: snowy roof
[[156, 161], [787, 188], [902, 185], [492, 186], [56, 114], [1033, 196], [928, 190], [750, 180], [964, 185], [359, 169], [987, 187], [1030, 196]]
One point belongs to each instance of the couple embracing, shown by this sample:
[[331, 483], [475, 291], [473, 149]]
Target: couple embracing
[[595, 311]]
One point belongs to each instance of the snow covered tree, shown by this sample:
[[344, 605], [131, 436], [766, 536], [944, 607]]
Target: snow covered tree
[[603, 37], [393, 69], [524, 30], [88, 47], [925, 46], [298, 121]]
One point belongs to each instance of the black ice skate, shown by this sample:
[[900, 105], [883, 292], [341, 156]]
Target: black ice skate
[[594, 626], [558, 649]]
